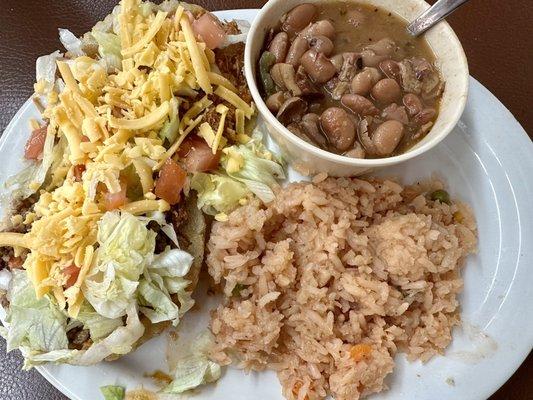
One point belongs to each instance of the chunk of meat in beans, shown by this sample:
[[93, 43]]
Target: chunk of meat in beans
[[360, 105], [386, 91], [338, 127], [424, 116], [328, 83], [412, 103], [275, 101], [317, 66]]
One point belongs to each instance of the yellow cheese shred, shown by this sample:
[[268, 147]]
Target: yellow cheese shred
[[239, 121], [145, 174], [234, 100], [177, 17], [67, 76], [73, 294], [192, 112], [144, 206], [206, 132], [223, 110], [196, 57], [217, 79], [12, 239], [146, 122], [148, 36]]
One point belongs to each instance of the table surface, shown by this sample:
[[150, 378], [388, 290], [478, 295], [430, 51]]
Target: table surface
[[498, 52]]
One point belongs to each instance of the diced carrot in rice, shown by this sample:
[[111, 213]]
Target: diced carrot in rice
[[360, 352]]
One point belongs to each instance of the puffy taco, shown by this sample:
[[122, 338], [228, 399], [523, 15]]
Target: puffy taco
[[145, 120]]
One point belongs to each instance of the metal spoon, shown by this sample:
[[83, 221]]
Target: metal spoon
[[438, 11]]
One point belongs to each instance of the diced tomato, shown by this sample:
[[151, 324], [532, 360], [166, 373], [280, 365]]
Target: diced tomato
[[72, 273], [209, 29], [78, 172], [170, 182], [15, 263], [84, 138], [35, 144], [196, 155], [112, 201]]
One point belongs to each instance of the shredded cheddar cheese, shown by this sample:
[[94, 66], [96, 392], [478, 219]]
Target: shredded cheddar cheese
[[108, 124]]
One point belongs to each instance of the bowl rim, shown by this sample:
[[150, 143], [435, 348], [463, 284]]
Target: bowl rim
[[459, 105]]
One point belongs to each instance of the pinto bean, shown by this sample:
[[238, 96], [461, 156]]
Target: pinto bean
[[386, 137], [338, 127], [386, 91], [298, 18], [371, 58], [356, 152], [322, 44], [383, 47], [362, 83], [376, 75], [279, 46], [298, 47], [359, 105], [322, 27], [390, 68], [318, 66], [412, 103]]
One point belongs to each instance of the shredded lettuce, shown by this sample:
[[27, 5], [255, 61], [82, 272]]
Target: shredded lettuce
[[46, 67], [166, 228], [34, 323], [126, 247], [113, 392], [109, 48], [257, 173], [98, 326], [120, 341], [195, 368], [70, 42], [165, 277], [217, 193]]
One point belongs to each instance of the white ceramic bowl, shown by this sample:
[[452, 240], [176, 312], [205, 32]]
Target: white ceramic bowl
[[451, 62]]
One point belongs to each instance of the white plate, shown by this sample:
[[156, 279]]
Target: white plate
[[487, 161]]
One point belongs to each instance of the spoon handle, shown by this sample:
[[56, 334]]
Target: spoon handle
[[440, 10]]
